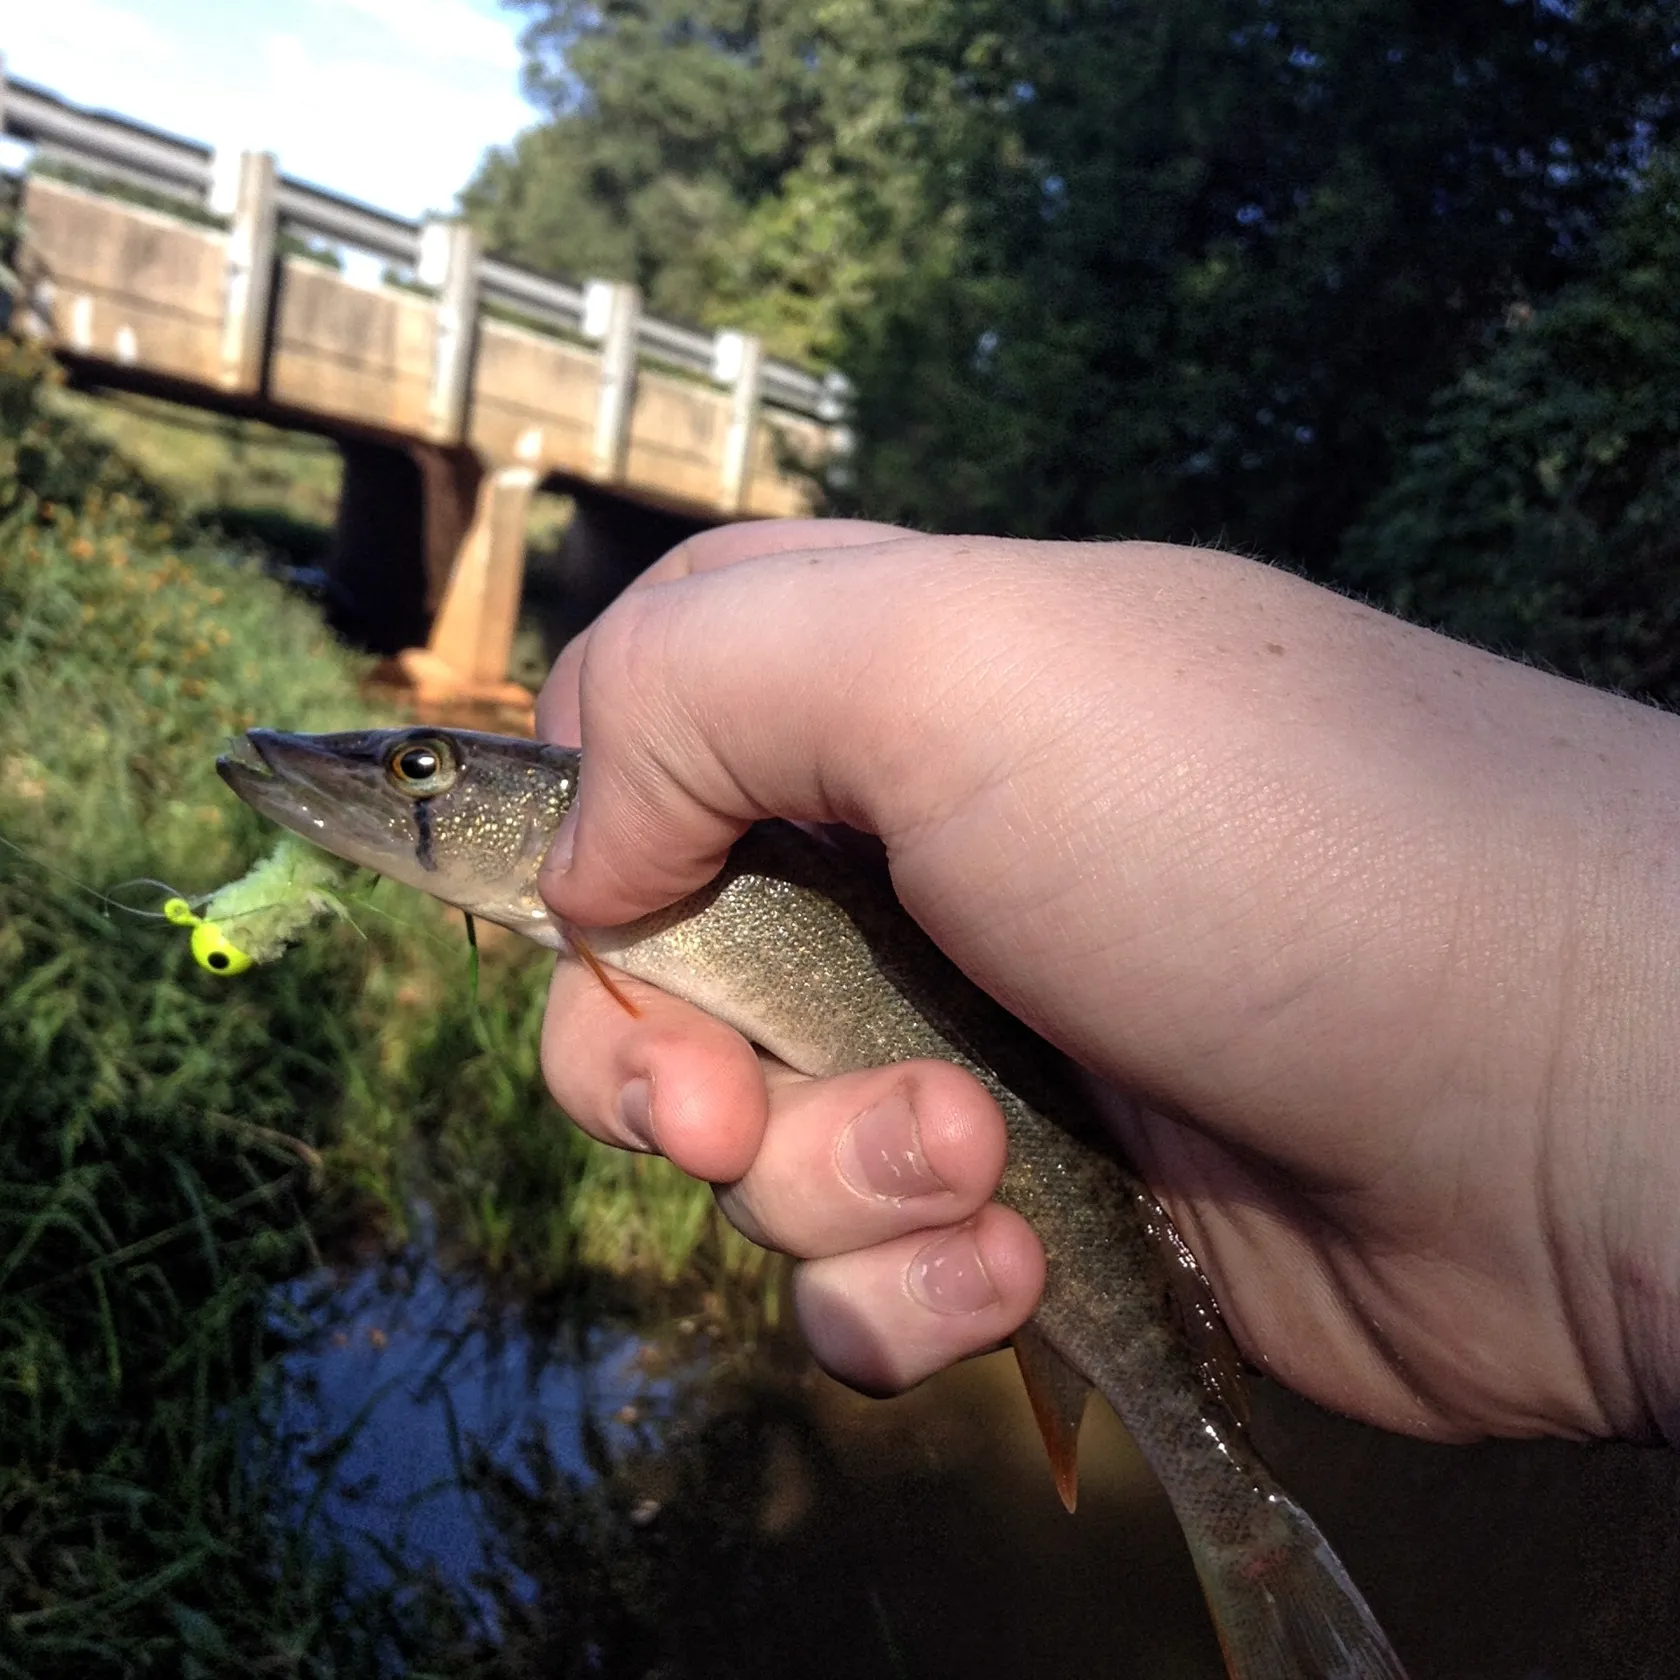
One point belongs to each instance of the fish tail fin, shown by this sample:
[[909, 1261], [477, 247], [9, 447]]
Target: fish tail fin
[[1292, 1613]]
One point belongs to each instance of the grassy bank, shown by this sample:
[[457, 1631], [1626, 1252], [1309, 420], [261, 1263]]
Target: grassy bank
[[172, 1144], [277, 488]]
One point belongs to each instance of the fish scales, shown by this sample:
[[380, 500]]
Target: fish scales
[[811, 960], [814, 960]]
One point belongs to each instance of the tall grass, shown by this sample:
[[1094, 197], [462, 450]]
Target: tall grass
[[173, 1145], [238, 476], [533, 1196], [156, 1138]]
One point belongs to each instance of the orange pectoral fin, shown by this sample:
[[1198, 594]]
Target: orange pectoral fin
[[1058, 1395], [601, 972]]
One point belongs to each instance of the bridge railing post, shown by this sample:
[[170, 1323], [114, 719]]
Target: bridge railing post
[[738, 361], [612, 313], [243, 188], [449, 253]]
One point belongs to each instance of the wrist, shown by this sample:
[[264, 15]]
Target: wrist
[[1613, 1110]]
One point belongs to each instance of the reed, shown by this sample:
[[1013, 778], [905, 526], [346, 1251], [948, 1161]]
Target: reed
[[173, 1145]]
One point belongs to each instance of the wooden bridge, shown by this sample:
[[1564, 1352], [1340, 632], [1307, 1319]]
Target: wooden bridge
[[455, 384]]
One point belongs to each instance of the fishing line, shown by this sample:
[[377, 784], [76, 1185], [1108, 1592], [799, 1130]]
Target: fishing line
[[181, 909], [472, 968], [177, 905], [103, 898]]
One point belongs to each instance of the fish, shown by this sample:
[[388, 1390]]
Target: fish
[[813, 959]]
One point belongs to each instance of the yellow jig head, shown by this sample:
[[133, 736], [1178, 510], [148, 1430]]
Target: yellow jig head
[[211, 947], [254, 919]]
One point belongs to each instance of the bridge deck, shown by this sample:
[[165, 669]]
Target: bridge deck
[[133, 292], [489, 379]]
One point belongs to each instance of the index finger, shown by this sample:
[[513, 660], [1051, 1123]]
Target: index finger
[[708, 551]]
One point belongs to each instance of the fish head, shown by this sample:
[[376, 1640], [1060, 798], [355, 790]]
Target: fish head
[[464, 816]]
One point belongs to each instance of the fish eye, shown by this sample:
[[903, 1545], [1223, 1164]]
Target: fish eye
[[421, 767]]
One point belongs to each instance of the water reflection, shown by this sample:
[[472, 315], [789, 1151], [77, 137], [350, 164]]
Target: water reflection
[[638, 1505], [617, 1504], [411, 1382]]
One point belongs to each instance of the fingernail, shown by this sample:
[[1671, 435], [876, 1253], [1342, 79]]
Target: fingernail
[[881, 1153], [947, 1275], [635, 1113], [559, 858]]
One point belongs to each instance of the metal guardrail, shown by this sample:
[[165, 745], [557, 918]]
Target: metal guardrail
[[541, 295], [324, 215], [150, 157], [107, 144]]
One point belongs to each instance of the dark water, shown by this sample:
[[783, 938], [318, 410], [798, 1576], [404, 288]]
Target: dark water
[[411, 1373], [1512, 1560], [622, 1496], [607, 1493]]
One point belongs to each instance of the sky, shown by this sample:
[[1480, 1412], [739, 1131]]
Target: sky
[[389, 101]]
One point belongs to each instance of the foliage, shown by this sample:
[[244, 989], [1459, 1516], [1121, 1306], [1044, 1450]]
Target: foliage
[[1187, 271], [602, 190], [45, 457], [155, 1138], [1216, 258], [178, 205], [315, 251], [1539, 512], [172, 1145], [258, 486], [154, 1189], [742, 163], [457, 1113]]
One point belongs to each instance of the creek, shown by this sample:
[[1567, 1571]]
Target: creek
[[604, 1484]]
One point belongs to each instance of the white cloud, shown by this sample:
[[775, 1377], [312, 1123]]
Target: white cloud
[[389, 101], [400, 136], [453, 30], [47, 41]]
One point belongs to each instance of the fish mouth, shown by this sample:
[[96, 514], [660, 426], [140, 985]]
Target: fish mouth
[[247, 761], [308, 783], [264, 770], [331, 789]]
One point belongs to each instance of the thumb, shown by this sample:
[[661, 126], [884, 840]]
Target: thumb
[[708, 701]]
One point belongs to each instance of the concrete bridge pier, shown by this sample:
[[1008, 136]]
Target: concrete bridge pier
[[472, 630], [607, 543], [427, 565]]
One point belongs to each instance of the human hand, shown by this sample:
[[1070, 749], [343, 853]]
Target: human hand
[[1372, 924]]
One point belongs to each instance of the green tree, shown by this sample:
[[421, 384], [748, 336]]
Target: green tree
[[1216, 256], [747, 162], [1539, 511], [667, 122], [1095, 266]]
